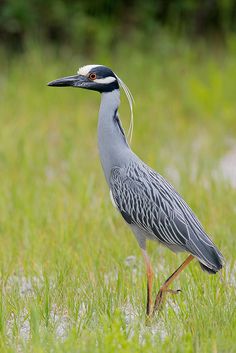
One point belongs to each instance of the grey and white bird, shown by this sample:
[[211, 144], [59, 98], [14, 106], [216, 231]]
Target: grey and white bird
[[149, 204]]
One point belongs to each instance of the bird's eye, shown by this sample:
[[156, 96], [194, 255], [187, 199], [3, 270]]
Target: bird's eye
[[92, 76]]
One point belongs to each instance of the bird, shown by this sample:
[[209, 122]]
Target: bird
[[148, 203]]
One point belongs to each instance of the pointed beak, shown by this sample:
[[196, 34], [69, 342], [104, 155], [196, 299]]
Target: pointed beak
[[74, 81]]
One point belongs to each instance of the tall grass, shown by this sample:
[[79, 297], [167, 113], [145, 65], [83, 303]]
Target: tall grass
[[72, 276]]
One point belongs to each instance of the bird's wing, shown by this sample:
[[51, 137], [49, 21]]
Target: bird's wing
[[146, 199]]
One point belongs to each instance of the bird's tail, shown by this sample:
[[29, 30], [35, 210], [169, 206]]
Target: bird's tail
[[213, 260], [210, 258], [208, 269]]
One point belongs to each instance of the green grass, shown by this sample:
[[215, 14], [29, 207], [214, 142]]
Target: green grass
[[66, 285]]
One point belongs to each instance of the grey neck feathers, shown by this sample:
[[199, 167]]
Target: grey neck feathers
[[113, 147]]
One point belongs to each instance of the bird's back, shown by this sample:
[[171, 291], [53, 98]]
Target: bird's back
[[146, 200]]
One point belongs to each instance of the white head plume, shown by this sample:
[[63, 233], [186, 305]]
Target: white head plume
[[131, 101]]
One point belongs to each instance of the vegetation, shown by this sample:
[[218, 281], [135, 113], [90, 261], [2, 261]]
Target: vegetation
[[90, 24], [72, 276]]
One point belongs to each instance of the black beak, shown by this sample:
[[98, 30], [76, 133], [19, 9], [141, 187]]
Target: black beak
[[74, 81]]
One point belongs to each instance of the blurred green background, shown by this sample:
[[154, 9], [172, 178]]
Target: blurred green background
[[88, 25], [72, 276]]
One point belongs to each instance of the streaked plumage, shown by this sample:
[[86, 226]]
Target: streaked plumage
[[148, 203], [146, 199]]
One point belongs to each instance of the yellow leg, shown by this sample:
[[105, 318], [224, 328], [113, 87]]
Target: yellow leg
[[165, 287], [149, 282]]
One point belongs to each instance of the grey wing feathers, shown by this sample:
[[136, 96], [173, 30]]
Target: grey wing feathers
[[147, 200]]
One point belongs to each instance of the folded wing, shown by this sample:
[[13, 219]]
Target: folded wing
[[146, 199]]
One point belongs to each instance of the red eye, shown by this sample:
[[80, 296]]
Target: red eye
[[92, 76]]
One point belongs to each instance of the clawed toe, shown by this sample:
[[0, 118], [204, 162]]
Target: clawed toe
[[161, 297], [172, 291]]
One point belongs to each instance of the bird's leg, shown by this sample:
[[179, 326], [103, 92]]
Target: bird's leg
[[149, 281], [165, 287]]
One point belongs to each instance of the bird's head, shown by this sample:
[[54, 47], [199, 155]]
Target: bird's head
[[97, 78], [93, 77]]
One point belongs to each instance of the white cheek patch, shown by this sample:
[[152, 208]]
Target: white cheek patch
[[105, 80], [84, 70]]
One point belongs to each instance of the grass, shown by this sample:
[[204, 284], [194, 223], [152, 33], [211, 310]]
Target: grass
[[72, 275]]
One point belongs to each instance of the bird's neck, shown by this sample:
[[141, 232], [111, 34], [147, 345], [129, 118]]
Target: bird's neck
[[113, 147]]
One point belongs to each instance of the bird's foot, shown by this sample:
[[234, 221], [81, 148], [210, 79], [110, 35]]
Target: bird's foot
[[160, 298], [172, 291]]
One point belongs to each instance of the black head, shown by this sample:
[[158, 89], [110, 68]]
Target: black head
[[94, 77]]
